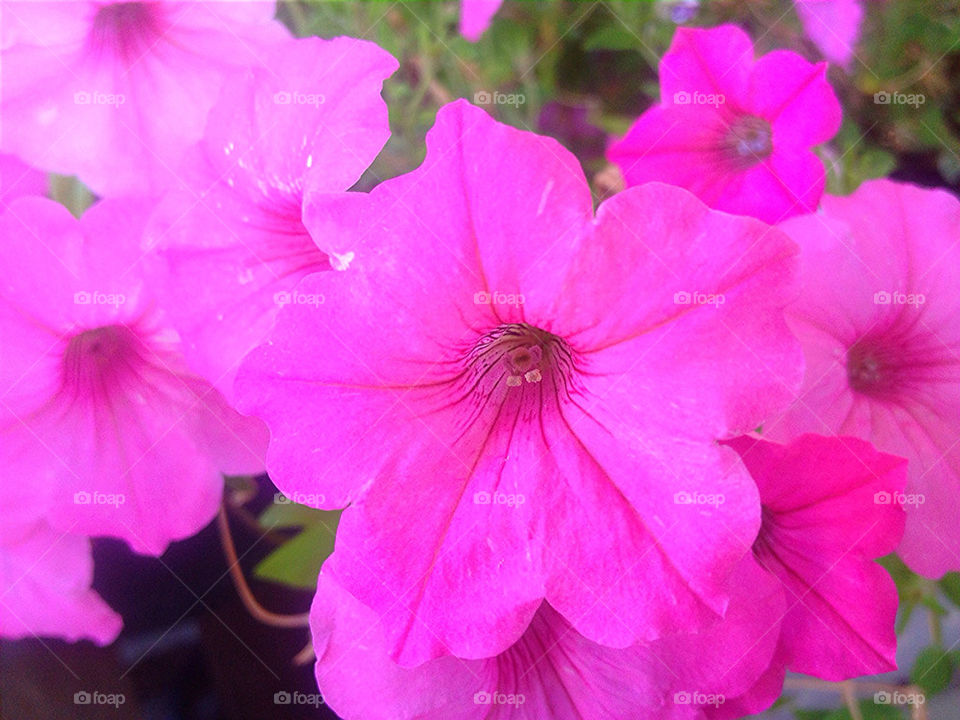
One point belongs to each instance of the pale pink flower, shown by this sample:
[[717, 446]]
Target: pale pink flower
[[98, 416], [233, 245], [833, 26], [45, 578], [45, 575], [878, 319], [18, 179], [115, 91], [735, 131], [475, 17], [510, 373]]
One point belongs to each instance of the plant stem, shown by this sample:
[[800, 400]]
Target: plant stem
[[243, 590]]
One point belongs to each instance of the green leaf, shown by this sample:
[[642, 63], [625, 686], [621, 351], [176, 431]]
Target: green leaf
[[857, 167], [932, 670], [950, 584], [873, 163], [611, 37], [933, 604], [297, 562], [802, 714], [615, 124], [285, 514], [71, 193], [869, 710], [898, 570], [910, 588]]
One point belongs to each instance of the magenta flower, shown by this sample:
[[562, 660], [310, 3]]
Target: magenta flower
[[878, 319], [234, 244], [45, 578], [98, 416], [735, 131], [18, 179], [510, 373], [475, 17], [822, 528], [115, 91], [833, 26], [45, 575], [824, 522], [551, 671]]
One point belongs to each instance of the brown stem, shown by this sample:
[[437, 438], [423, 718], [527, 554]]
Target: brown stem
[[850, 688], [240, 583], [305, 656], [850, 700], [810, 683]]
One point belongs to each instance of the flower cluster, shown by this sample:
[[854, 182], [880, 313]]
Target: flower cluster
[[540, 415]]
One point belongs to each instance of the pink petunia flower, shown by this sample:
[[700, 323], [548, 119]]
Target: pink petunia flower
[[878, 319], [45, 575], [98, 415], [45, 578], [115, 91], [18, 179], [735, 131], [551, 671], [511, 374], [833, 26], [234, 245], [824, 523], [475, 17]]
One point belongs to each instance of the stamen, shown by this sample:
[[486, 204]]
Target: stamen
[[516, 373]]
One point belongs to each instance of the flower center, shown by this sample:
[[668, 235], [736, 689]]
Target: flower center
[[127, 29], [885, 364], [516, 355], [749, 140], [100, 360], [866, 371], [511, 376], [897, 362]]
